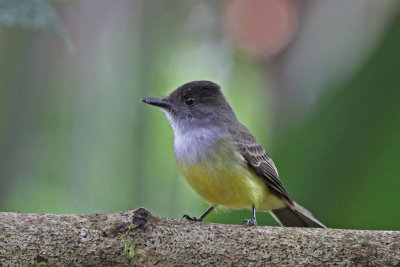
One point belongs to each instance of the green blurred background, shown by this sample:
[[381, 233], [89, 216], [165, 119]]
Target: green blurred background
[[317, 82]]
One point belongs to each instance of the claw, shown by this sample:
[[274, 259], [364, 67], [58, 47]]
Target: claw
[[200, 219], [193, 219], [250, 222]]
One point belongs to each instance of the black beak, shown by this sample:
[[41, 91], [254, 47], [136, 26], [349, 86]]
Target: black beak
[[158, 102]]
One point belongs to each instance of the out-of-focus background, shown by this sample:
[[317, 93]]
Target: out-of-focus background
[[316, 81]]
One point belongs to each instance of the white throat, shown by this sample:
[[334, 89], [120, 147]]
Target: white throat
[[195, 143]]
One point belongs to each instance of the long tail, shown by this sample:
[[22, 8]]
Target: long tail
[[296, 216]]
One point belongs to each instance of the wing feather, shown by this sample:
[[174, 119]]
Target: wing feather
[[259, 161]]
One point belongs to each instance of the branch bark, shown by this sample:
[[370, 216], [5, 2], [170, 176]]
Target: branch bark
[[139, 238]]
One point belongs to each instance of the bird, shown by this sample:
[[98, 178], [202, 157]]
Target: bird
[[222, 160]]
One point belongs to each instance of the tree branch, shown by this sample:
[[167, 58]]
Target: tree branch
[[139, 238]]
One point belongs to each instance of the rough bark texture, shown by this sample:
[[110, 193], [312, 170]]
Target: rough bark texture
[[139, 238]]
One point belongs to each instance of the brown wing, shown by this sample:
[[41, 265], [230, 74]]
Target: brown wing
[[259, 161]]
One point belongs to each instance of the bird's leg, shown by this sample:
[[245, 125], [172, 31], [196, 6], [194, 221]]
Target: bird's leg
[[251, 222], [201, 216]]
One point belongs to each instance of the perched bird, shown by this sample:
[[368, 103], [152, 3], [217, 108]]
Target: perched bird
[[220, 158]]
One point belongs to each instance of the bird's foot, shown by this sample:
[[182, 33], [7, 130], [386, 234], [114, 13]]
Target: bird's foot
[[250, 222], [193, 219]]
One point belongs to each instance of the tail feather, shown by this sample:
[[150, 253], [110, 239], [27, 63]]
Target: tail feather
[[296, 216]]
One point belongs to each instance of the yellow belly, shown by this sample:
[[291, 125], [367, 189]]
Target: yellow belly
[[234, 187]]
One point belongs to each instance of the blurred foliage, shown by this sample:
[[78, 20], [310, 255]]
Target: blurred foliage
[[35, 14], [74, 137], [32, 14], [346, 154]]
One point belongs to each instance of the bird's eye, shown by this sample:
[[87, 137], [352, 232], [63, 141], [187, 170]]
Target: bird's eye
[[189, 101]]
